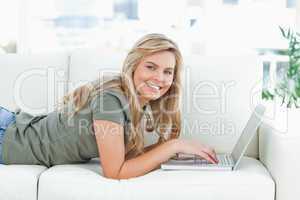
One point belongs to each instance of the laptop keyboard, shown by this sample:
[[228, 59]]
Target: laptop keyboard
[[224, 160]]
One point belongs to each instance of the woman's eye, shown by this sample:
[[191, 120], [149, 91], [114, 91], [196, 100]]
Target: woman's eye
[[169, 72], [150, 67]]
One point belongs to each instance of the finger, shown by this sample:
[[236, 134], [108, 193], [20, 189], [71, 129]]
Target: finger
[[215, 156], [207, 157], [215, 159], [211, 153]]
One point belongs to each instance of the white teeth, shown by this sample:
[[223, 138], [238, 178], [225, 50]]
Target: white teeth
[[153, 86]]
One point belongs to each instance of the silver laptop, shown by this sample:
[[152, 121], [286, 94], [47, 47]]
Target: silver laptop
[[226, 161]]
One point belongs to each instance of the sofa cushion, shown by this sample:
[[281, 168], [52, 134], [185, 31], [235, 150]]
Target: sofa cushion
[[19, 181], [218, 98], [90, 64], [251, 181], [77, 182], [33, 82]]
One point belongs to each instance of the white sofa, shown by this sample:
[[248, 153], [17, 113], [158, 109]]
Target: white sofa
[[227, 90]]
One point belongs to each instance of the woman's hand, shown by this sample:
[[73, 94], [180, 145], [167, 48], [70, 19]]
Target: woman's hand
[[196, 148]]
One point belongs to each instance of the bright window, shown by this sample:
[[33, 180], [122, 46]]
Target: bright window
[[9, 22], [199, 26]]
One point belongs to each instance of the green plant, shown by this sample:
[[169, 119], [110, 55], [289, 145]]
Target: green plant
[[266, 94], [288, 89]]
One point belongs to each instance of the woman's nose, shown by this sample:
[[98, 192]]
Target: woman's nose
[[159, 77]]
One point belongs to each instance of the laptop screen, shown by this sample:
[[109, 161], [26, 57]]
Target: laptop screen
[[248, 133]]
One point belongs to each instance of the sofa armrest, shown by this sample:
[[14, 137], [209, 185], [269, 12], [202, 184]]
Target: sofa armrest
[[280, 154]]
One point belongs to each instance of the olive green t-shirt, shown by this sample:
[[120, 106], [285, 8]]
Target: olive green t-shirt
[[57, 138]]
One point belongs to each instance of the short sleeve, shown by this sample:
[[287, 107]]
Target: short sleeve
[[107, 107]]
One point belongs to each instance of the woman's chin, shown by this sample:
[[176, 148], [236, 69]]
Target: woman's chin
[[151, 97]]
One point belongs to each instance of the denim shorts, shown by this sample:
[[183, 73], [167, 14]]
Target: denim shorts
[[6, 118]]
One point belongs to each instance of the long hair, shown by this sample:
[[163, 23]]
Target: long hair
[[165, 114]]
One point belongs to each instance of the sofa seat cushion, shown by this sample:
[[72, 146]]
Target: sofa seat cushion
[[251, 181], [19, 181]]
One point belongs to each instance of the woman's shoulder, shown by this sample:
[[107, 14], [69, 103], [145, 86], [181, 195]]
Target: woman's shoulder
[[112, 98], [109, 86], [117, 93]]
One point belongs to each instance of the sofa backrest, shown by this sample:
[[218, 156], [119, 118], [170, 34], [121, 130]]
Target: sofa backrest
[[90, 64], [223, 85], [33, 83], [219, 93]]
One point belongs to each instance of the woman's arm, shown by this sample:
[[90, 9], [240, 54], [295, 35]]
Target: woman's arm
[[148, 161], [148, 148], [110, 142]]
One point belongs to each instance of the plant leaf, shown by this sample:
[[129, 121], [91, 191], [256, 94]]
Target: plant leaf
[[289, 33], [282, 31]]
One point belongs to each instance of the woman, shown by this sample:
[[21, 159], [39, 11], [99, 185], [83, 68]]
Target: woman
[[104, 118]]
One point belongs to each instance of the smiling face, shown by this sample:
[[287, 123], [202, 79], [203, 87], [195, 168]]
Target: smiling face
[[154, 76]]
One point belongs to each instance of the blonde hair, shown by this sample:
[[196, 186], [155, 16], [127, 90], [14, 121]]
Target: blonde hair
[[166, 113]]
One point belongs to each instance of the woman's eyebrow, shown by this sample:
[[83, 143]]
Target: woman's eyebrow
[[171, 68]]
